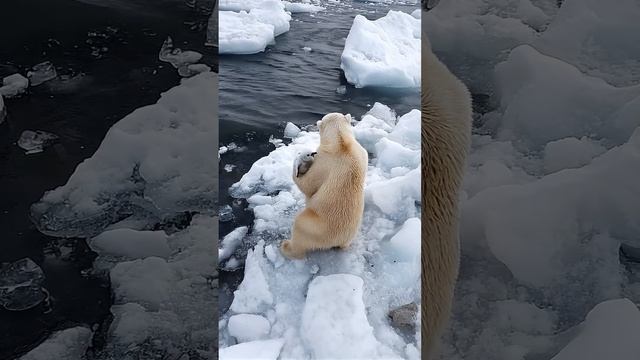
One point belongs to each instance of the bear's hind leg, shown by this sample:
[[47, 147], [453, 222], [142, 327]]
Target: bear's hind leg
[[307, 234], [289, 250]]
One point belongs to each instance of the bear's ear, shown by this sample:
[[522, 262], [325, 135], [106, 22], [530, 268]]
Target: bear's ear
[[348, 117]]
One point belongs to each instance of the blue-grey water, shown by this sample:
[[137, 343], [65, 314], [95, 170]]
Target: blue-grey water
[[107, 57], [260, 93]]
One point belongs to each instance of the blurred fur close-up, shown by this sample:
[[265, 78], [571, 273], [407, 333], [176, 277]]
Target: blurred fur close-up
[[108, 180], [548, 229]]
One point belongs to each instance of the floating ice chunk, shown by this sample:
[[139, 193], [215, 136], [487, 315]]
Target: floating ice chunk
[[177, 57], [248, 327], [342, 89], [570, 153], [242, 33], [13, 85], [230, 242], [35, 141], [610, 331], [68, 344], [253, 294], [384, 52], [21, 285], [143, 168], [131, 244], [258, 350], [41, 73], [291, 130], [306, 49], [338, 329], [244, 5], [192, 69], [294, 7]]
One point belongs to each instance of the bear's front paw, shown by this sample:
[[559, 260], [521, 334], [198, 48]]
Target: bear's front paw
[[303, 163]]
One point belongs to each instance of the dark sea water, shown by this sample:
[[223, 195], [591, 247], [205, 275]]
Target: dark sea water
[[107, 62], [260, 93]]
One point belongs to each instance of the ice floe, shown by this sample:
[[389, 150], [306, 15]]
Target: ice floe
[[34, 142], [143, 169], [21, 285], [13, 85], [378, 273]]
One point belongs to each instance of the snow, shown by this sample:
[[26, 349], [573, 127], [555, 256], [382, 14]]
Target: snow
[[68, 344], [171, 302], [131, 244], [34, 142], [334, 319], [384, 52], [610, 331], [597, 39], [258, 350], [548, 195], [377, 273], [230, 242], [570, 153], [249, 27], [248, 327], [13, 85], [253, 295], [143, 167]]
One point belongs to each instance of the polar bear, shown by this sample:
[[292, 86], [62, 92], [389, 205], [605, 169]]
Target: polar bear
[[446, 133], [332, 180]]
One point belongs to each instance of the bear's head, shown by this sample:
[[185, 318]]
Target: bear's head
[[333, 127]]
